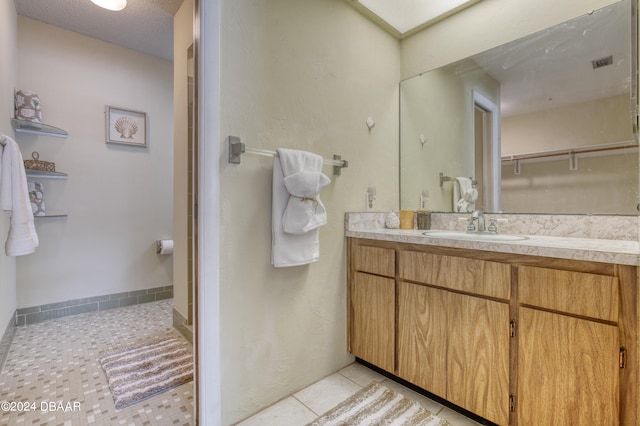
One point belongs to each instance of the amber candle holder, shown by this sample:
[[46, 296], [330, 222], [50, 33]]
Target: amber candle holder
[[406, 219]]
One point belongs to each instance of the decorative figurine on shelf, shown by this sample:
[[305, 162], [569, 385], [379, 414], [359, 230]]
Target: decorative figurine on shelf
[[28, 106], [36, 196]]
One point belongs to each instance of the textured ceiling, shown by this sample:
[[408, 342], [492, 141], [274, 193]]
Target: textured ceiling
[[144, 25]]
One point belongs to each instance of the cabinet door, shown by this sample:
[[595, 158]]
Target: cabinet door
[[478, 356], [568, 370], [373, 320], [422, 337]]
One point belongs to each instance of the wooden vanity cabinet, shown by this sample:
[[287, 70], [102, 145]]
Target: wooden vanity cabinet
[[478, 356], [568, 348], [422, 337], [516, 339], [567, 371], [373, 301], [453, 330], [372, 306]]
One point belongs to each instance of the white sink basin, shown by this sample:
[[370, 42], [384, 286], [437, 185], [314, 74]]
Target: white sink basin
[[458, 235]]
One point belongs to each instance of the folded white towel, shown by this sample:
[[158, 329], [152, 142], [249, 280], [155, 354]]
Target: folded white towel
[[301, 212], [464, 195], [14, 197], [303, 180]]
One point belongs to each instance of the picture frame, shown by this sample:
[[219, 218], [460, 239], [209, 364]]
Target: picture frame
[[125, 126]]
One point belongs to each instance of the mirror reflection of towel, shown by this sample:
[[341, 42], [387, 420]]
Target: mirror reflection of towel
[[464, 195]]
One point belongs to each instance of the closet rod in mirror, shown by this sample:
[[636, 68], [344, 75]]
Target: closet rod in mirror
[[615, 146]]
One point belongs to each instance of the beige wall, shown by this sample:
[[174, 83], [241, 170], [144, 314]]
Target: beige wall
[[587, 123], [550, 186], [182, 39], [603, 184], [119, 198], [485, 25], [8, 70], [303, 75]]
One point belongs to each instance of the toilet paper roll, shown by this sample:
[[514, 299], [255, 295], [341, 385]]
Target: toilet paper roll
[[164, 246]]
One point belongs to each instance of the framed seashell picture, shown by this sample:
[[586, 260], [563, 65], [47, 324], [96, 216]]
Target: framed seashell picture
[[126, 127]]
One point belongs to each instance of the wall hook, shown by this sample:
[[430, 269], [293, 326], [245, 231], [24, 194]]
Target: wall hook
[[423, 140], [370, 123]]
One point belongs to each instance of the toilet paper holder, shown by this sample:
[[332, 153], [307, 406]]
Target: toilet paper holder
[[164, 247]]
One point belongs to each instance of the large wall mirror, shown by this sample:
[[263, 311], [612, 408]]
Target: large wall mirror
[[543, 124]]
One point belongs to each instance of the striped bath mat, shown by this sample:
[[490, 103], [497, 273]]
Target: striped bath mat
[[377, 405], [144, 370]]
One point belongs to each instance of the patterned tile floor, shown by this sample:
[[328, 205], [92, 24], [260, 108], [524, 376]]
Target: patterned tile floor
[[52, 377]]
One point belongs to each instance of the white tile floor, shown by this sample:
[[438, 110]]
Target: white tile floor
[[306, 405]]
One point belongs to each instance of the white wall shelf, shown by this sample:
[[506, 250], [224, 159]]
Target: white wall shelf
[[45, 174], [26, 126], [51, 215]]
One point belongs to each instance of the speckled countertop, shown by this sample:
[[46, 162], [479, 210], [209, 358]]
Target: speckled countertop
[[624, 252]]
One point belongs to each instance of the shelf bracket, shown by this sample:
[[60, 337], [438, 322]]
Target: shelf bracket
[[573, 161], [516, 167]]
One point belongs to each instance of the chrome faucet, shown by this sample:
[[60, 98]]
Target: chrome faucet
[[482, 227], [479, 216]]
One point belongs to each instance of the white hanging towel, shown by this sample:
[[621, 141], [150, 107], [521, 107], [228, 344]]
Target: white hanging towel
[[14, 197], [464, 195], [297, 212]]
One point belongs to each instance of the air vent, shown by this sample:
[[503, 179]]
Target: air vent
[[602, 62]]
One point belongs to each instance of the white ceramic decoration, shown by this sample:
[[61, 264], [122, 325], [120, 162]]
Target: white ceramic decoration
[[392, 221]]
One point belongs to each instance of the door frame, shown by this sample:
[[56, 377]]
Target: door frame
[[492, 153]]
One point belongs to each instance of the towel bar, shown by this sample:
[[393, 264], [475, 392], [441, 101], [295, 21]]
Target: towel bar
[[237, 148], [444, 179]]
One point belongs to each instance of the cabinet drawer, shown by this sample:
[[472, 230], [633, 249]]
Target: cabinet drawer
[[469, 275], [577, 293], [424, 268], [375, 260], [481, 277]]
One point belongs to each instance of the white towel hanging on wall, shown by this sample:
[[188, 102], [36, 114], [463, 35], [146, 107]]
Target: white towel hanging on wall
[[14, 197], [297, 212]]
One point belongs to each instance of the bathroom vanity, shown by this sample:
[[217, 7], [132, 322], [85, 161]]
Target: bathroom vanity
[[541, 331]]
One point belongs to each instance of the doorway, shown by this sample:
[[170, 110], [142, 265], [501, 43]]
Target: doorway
[[480, 136], [486, 148]]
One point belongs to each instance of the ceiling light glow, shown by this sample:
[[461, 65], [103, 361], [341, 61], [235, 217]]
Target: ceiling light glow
[[115, 5], [405, 15]]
